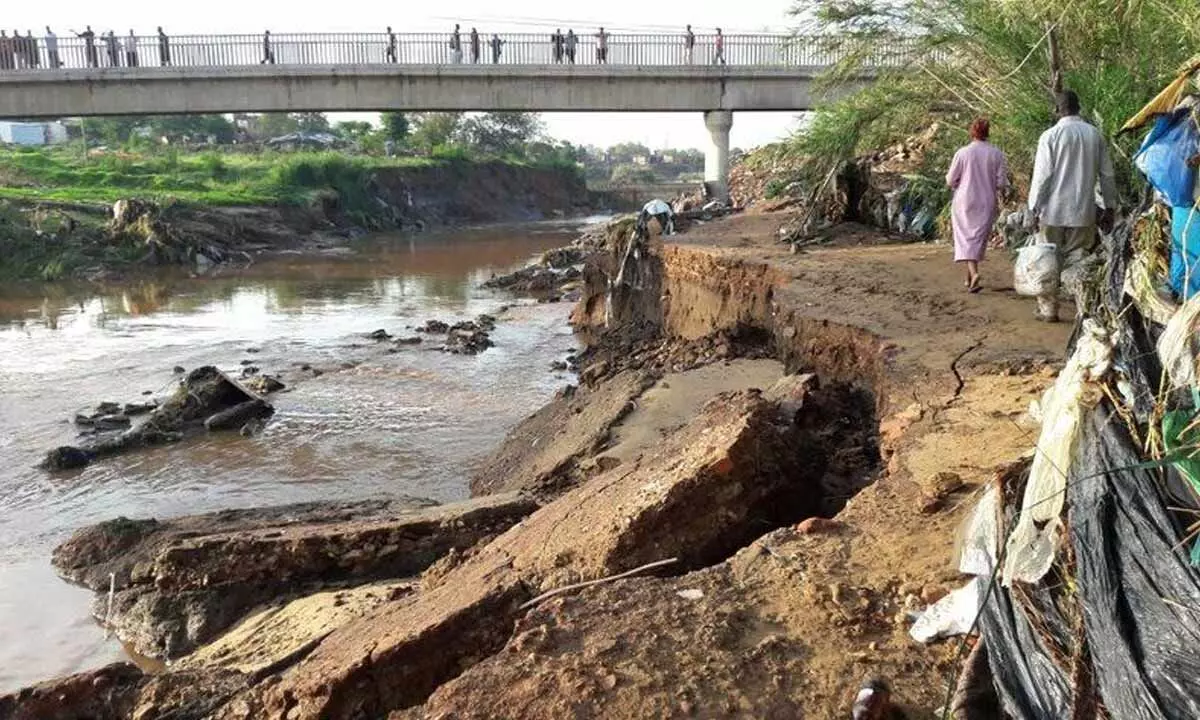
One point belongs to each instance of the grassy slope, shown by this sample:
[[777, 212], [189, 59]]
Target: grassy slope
[[209, 178]]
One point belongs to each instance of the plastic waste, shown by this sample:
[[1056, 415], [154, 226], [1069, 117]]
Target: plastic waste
[[952, 615], [1185, 251], [1034, 540], [1036, 269], [1164, 155]]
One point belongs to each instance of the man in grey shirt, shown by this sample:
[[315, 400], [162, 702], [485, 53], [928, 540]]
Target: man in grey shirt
[[1072, 157]]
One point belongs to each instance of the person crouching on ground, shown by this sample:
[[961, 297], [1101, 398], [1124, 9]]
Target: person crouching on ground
[[977, 175], [1072, 157]]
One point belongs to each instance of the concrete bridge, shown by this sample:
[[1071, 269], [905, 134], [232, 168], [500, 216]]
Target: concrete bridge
[[716, 75]]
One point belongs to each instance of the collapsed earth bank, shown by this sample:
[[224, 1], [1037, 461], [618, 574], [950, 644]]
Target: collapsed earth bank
[[742, 606]]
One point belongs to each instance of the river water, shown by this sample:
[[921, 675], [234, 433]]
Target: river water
[[413, 422]]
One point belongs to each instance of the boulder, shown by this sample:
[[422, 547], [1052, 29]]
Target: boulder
[[238, 415]]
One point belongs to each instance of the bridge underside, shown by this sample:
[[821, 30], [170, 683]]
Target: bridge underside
[[268, 88]]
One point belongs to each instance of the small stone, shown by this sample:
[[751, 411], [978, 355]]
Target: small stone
[[945, 483], [610, 681], [818, 525], [835, 593], [873, 647], [253, 350], [179, 370], [932, 593], [690, 594], [378, 335]]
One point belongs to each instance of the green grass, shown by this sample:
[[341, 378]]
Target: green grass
[[209, 178]]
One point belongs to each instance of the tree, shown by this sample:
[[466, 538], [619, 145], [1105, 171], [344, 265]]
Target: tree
[[633, 175], [355, 130], [394, 126], [110, 130], [501, 133], [311, 122], [269, 125], [626, 152], [193, 128], [434, 129]]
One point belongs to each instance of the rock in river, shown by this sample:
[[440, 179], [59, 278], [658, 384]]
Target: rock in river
[[238, 415]]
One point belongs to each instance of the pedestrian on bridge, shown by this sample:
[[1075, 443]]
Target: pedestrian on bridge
[[689, 46], [556, 44], [719, 49], [7, 56], [601, 47], [474, 46], [391, 47], [164, 48], [571, 43], [19, 51], [31, 47], [89, 46], [268, 52], [977, 175], [496, 43], [52, 59], [114, 49], [456, 55], [131, 51]]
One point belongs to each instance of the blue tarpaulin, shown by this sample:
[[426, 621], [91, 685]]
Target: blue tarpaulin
[[1185, 251], [1164, 155]]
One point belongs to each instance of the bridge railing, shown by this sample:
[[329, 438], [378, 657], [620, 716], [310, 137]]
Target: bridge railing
[[334, 49]]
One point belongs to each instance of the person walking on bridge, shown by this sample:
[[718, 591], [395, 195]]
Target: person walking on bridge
[[456, 46], [31, 47], [601, 47], [114, 49], [496, 43], [89, 46], [268, 57], [689, 46], [1072, 159], [474, 46], [164, 48], [556, 45], [19, 50], [977, 175], [571, 43], [131, 51], [719, 49], [7, 58], [391, 46], [52, 59]]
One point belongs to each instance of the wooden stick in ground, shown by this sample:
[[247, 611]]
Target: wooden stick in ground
[[578, 586]]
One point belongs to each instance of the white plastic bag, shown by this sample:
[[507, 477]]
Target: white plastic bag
[[1036, 270]]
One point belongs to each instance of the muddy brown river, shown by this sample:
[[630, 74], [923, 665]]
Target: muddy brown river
[[413, 422]]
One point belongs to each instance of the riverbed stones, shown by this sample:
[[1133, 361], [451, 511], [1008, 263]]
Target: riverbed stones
[[181, 582], [238, 415], [709, 489]]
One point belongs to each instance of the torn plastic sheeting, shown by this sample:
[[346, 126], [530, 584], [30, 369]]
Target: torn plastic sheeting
[[952, 615], [1185, 251], [1141, 599], [1165, 154], [1175, 345], [980, 535], [1031, 545]]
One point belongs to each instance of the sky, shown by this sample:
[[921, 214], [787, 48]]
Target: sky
[[656, 130]]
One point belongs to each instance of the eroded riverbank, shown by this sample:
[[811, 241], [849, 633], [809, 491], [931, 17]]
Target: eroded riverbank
[[758, 612], [410, 422]]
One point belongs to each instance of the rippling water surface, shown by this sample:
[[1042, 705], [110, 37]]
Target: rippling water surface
[[411, 422]]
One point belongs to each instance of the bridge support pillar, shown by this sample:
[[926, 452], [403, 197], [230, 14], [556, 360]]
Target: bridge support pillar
[[716, 156]]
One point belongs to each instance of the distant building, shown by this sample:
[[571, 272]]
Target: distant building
[[640, 160], [32, 134]]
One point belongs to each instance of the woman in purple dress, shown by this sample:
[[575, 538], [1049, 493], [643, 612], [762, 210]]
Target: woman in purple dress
[[977, 175]]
